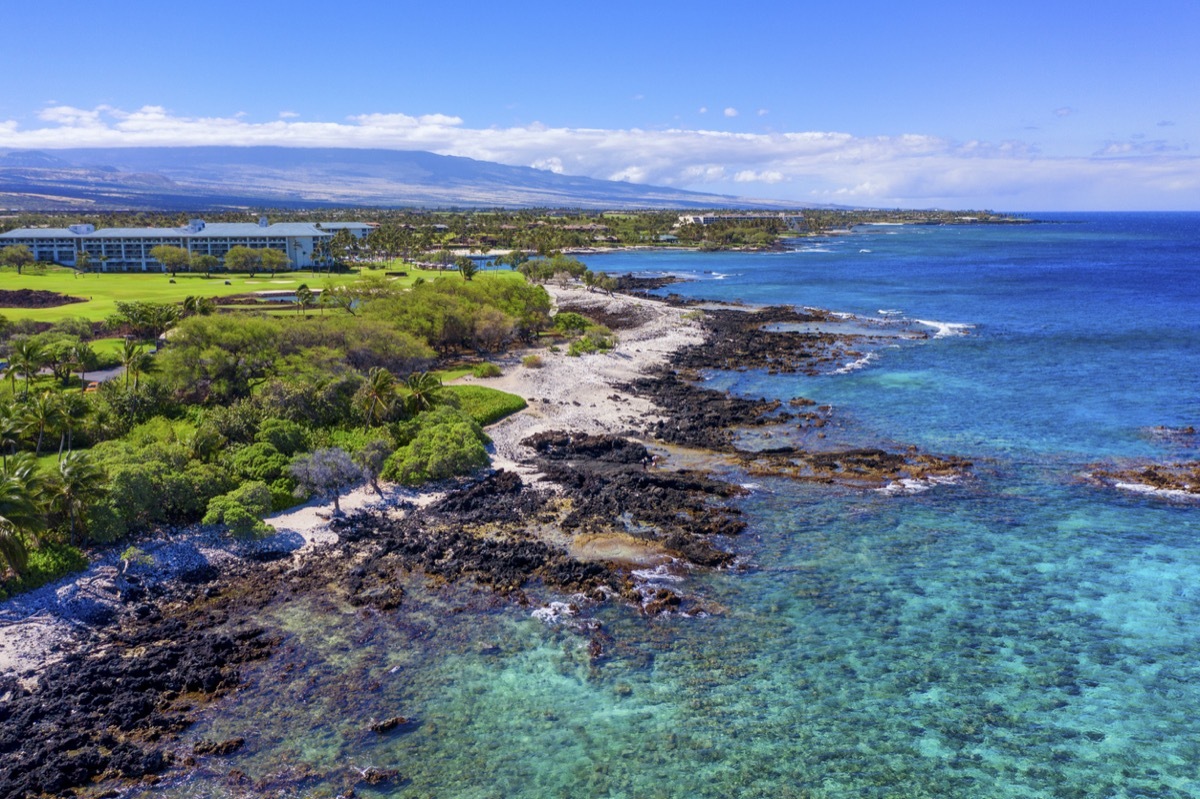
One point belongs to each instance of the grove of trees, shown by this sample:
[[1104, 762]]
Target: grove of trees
[[224, 417]]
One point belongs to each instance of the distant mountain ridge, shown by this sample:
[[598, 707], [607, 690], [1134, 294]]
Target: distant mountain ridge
[[170, 178]]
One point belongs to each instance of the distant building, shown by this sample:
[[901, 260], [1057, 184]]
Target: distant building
[[128, 249], [790, 221], [357, 229]]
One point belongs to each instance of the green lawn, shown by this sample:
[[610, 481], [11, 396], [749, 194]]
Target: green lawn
[[486, 405], [102, 291]]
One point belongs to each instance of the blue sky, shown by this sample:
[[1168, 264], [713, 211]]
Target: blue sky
[[1012, 106]]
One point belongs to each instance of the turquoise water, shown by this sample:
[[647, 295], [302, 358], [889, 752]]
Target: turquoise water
[[1019, 634]]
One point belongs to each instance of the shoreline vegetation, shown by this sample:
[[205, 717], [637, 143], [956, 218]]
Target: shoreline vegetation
[[434, 237], [612, 468]]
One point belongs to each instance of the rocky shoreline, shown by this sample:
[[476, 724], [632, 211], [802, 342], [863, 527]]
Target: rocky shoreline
[[585, 493]]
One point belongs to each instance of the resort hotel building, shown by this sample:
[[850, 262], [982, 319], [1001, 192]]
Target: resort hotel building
[[128, 249]]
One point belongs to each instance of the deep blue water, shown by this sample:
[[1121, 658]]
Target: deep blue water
[[1020, 634], [1085, 330]]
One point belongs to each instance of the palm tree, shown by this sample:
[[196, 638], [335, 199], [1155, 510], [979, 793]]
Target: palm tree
[[75, 409], [20, 515], [10, 372], [79, 483], [424, 391], [44, 412], [304, 298], [379, 395], [199, 306], [135, 360], [466, 267], [81, 356], [12, 427], [29, 358]]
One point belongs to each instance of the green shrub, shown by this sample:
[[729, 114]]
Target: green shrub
[[596, 339], [237, 422], [532, 362], [485, 370], [352, 440], [46, 564], [242, 509], [283, 494], [284, 435], [106, 522], [485, 405], [439, 444], [571, 323], [260, 461], [133, 501]]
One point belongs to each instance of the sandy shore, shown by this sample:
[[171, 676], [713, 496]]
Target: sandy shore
[[579, 394], [566, 393]]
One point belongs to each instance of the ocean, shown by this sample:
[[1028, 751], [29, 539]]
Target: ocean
[[1020, 633]]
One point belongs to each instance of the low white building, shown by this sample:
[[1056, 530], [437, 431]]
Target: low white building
[[128, 249]]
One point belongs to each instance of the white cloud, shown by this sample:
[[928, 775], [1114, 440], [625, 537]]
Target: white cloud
[[822, 166], [703, 109], [731, 112], [554, 165], [288, 115], [762, 112], [1065, 111], [767, 176]]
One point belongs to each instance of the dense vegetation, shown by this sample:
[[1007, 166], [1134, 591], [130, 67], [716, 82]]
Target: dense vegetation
[[433, 236], [241, 413]]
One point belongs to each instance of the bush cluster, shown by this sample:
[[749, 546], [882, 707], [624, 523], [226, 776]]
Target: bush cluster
[[437, 445]]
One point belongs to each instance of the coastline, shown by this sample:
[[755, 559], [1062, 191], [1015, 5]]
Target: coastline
[[565, 479], [40, 627]]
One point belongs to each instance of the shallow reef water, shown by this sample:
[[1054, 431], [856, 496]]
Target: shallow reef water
[[1020, 633]]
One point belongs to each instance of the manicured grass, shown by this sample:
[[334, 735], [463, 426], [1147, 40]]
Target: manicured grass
[[446, 375], [102, 290], [486, 405], [105, 347]]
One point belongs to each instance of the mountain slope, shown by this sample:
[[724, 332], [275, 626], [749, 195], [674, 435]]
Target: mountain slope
[[199, 177]]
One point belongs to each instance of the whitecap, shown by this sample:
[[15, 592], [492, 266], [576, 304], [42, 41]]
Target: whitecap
[[890, 312], [1164, 493], [555, 612], [911, 485], [854, 366], [659, 574], [945, 329], [864, 250]]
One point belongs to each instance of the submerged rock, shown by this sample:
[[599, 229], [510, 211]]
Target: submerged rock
[[218, 747]]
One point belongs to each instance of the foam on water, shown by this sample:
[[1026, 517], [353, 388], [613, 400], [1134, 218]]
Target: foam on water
[[910, 485], [946, 329], [1164, 493], [855, 365]]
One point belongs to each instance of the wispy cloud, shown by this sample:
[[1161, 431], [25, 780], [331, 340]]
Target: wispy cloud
[[1139, 145], [1064, 111], [820, 166], [731, 112]]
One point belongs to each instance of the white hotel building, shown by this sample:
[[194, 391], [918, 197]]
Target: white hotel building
[[128, 249]]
